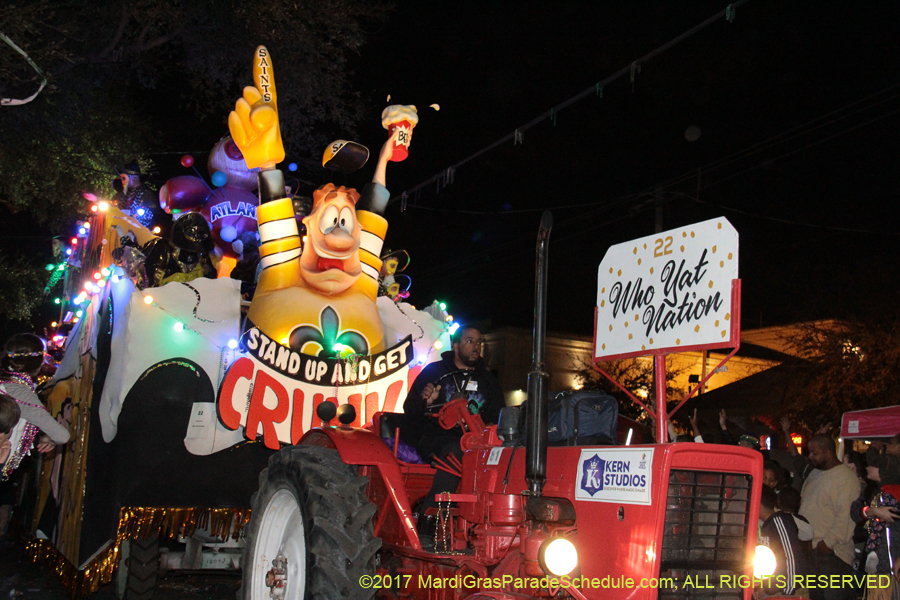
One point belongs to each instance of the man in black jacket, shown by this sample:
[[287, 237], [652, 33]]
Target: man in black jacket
[[461, 372]]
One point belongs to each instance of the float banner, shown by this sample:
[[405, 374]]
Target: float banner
[[620, 476], [272, 391], [668, 292]]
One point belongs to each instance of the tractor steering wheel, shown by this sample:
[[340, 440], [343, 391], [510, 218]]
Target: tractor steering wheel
[[438, 405], [449, 415]]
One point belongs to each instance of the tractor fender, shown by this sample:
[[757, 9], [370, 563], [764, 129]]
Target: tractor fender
[[364, 448], [356, 446]]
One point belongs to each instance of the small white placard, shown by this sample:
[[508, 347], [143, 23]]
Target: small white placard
[[853, 427], [202, 421], [623, 476], [494, 456]]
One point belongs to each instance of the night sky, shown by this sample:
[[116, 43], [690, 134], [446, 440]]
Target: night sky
[[797, 106]]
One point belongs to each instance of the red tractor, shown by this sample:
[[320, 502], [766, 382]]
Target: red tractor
[[333, 517]]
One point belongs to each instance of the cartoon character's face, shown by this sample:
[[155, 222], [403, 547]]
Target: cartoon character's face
[[330, 263], [227, 158]]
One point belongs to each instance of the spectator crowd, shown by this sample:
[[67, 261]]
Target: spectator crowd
[[822, 515]]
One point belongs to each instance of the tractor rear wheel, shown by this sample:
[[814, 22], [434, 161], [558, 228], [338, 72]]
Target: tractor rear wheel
[[310, 535], [138, 568]]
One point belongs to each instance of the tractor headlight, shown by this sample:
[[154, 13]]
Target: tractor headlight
[[763, 562], [558, 556]]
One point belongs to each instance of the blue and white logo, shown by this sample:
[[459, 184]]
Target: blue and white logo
[[592, 474], [615, 475]]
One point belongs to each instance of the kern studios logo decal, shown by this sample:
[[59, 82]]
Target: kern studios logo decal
[[592, 475], [615, 475]]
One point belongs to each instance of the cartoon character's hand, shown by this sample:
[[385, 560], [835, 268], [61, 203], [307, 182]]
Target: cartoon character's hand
[[254, 121], [383, 157]]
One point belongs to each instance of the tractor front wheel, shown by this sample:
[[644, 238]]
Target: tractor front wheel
[[310, 535]]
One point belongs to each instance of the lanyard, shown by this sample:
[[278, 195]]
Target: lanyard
[[465, 384]]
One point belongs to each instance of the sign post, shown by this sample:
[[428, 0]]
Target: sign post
[[674, 291]]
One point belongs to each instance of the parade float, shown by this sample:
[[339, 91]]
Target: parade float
[[179, 389], [335, 516]]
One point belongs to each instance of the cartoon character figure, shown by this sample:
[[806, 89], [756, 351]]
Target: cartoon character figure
[[229, 209], [317, 297]]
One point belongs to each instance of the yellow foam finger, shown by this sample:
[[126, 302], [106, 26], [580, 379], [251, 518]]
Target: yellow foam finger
[[243, 112], [236, 127], [263, 117], [264, 76], [252, 95]]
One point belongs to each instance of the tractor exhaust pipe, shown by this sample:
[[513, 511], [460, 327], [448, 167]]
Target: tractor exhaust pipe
[[538, 378]]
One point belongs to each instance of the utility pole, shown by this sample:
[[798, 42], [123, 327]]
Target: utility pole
[[705, 359], [659, 361]]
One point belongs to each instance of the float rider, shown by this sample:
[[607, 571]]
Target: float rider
[[461, 372]]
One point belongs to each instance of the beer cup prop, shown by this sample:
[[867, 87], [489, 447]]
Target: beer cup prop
[[404, 118]]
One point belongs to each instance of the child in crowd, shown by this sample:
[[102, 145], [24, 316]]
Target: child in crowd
[[789, 502], [772, 475], [780, 532]]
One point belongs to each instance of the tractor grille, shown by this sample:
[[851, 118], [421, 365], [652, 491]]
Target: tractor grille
[[705, 536]]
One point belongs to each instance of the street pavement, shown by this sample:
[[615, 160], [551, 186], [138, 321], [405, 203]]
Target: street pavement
[[21, 579]]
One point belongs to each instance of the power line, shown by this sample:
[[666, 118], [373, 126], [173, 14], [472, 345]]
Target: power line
[[765, 144], [502, 251], [808, 146], [596, 90], [789, 221], [754, 148], [779, 138]]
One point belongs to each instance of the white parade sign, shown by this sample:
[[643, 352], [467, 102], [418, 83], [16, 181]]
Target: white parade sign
[[668, 292]]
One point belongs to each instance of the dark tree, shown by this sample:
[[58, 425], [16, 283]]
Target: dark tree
[[636, 375], [852, 364], [120, 72], [21, 284], [125, 78]]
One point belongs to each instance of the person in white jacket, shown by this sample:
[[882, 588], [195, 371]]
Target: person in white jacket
[[20, 363]]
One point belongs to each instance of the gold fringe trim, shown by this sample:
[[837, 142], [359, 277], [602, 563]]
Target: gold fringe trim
[[136, 523]]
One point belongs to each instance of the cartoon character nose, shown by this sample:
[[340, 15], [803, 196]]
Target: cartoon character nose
[[338, 239]]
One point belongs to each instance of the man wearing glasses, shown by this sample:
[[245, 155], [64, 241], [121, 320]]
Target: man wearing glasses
[[461, 372]]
